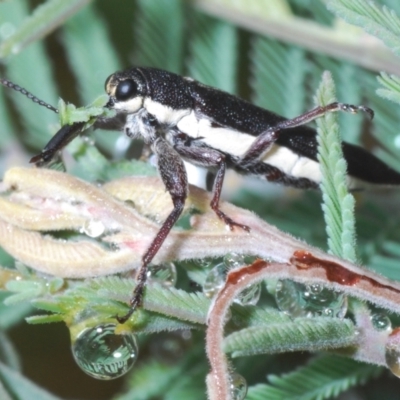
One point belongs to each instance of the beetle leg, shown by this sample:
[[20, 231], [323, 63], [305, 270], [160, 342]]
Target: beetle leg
[[173, 174], [64, 135], [207, 157], [267, 138]]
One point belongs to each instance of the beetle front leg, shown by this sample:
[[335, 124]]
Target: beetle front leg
[[64, 135], [207, 157], [267, 138], [173, 174]]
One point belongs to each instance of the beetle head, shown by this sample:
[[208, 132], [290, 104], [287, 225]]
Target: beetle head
[[127, 90]]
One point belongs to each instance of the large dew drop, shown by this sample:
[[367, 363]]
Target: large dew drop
[[300, 300], [392, 356], [238, 386], [93, 228], [164, 274], [103, 354], [233, 260], [381, 322], [392, 352], [249, 296], [216, 278]]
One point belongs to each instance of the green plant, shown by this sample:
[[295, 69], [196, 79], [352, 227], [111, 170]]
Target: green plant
[[222, 44]]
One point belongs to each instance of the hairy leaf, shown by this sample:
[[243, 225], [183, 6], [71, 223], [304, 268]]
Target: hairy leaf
[[323, 378]]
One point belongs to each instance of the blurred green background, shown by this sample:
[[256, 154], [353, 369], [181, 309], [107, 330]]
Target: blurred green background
[[272, 53]]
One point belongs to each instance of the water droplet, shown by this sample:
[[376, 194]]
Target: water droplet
[[164, 274], [216, 277], [102, 354], [121, 146], [249, 296], [205, 263], [238, 386], [392, 357], [381, 322], [88, 140], [288, 299], [298, 300], [233, 260], [215, 280], [93, 228], [55, 284], [153, 161], [315, 289], [6, 30], [392, 351], [186, 335], [397, 141], [16, 49]]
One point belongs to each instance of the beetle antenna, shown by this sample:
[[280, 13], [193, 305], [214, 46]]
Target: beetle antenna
[[29, 95]]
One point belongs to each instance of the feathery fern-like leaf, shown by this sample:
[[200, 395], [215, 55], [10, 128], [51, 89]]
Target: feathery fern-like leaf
[[13, 385], [213, 53], [322, 378], [91, 68], [392, 85], [380, 21], [338, 204], [160, 43], [300, 334], [174, 381], [43, 20], [32, 67], [277, 85], [6, 125]]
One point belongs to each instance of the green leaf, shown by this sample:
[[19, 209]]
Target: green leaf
[[392, 84], [16, 387], [6, 125], [166, 34], [385, 128], [31, 287], [12, 315], [184, 380], [70, 114], [32, 68], [310, 334], [350, 88], [280, 87], [8, 353], [214, 53], [192, 307], [246, 316], [163, 308], [322, 378], [90, 52], [44, 319], [93, 166], [160, 42], [377, 20], [84, 31], [338, 204], [43, 20]]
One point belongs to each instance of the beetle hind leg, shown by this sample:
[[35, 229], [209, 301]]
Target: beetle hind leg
[[214, 204], [208, 157], [267, 138]]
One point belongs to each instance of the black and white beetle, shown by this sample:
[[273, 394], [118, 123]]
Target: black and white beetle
[[181, 118]]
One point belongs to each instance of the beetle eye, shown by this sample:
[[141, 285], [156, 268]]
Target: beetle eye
[[126, 90], [107, 82]]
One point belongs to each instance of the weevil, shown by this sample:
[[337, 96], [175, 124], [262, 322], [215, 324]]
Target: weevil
[[182, 119]]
